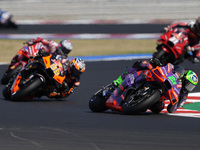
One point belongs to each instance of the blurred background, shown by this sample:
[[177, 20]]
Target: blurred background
[[102, 9], [80, 19]]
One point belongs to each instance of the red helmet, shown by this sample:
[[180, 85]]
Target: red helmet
[[76, 67], [196, 27]]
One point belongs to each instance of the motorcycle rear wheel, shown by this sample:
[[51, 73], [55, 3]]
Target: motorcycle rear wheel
[[132, 106], [30, 87]]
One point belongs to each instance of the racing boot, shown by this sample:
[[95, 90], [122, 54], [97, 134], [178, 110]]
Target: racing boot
[[118, 81]]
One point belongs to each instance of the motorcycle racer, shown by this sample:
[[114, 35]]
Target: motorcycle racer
[[193, 36], [188, 80], [6, 19], [69, 71], [4, 15], [72, 70]]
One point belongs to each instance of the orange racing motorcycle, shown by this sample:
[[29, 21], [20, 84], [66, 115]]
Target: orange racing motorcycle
[[37, 79]]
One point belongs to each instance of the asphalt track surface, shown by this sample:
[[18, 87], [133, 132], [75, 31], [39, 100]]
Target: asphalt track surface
[[86, 28], [69, 124], [49, 124]]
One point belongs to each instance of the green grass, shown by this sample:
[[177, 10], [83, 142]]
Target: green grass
[[87, 47]]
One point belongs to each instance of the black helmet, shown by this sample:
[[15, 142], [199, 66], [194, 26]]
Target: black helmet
[[76, 67], [65, 46], [196, 27]]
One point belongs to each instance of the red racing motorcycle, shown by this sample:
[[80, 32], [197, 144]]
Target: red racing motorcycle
[[28, 52], [172, 47]]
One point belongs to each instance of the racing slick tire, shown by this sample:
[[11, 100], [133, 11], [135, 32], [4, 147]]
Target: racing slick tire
[[132, 106], [97, 103], [29, 88], [7, 92], [162, 56]]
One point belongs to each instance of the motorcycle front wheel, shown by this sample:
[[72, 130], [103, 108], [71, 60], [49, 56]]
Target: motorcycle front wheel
[[7, 92], [27, 89], [162, 56], [134, 104], [97, 103]]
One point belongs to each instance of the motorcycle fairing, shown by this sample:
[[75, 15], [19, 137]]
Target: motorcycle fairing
[[30, 51], [158, 74], [59, 79], [15, 86], [47, 61], [175, 41], [56, 67], [167, 73]]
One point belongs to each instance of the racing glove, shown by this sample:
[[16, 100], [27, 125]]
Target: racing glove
[[67, 90]]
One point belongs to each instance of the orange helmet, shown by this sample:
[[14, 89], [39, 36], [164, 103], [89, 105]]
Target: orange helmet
[[76, 67]]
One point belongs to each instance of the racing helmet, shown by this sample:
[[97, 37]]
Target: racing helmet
[[196, 27], [76, 67], [190, 80], [65, 46]]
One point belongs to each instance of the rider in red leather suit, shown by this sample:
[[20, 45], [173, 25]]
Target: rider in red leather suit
[[50, 46], [193, 36]]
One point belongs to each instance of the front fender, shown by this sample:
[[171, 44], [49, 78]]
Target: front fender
[[28, 89]]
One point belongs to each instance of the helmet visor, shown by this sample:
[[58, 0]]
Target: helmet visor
[[189, 86]]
